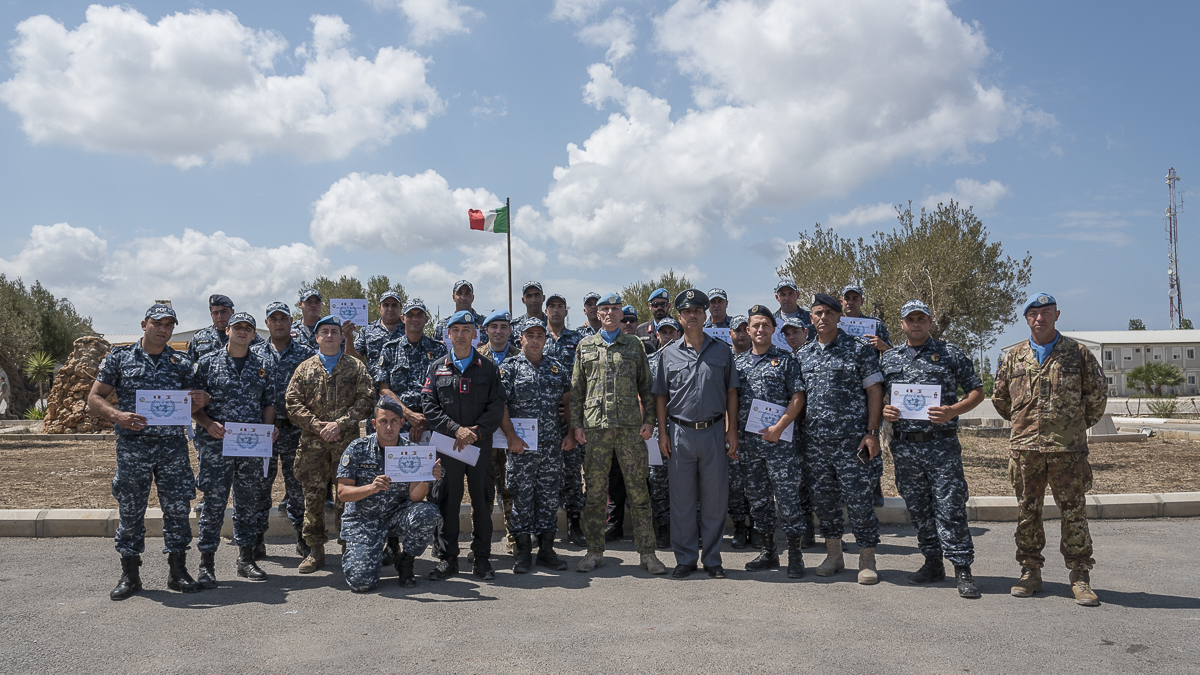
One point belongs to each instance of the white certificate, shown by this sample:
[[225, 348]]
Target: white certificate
[[527, 430], [445, 445], [409, 463], [350, 309], [721, 334], [778, 340], [763, 415], [858, 327], [655, 455], [163, 407], [915, 400], [247, 440]]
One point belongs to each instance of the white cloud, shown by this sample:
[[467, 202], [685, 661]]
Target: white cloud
[[616, 34], [796, 101], [120, 283], [576, 10], [970, 192], [200, 86], [864, 215], [430, 20], [1103, 227]]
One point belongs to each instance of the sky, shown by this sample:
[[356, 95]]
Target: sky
[[177, 149]]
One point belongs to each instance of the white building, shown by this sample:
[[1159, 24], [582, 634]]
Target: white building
[[1120, 351]]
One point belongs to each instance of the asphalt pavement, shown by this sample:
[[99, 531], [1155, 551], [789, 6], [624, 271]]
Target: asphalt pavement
[[57, 617]]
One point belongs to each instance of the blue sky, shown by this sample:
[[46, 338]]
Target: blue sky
[[706, 136]]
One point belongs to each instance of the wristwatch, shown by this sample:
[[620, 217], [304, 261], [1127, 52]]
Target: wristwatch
[[873, 432]]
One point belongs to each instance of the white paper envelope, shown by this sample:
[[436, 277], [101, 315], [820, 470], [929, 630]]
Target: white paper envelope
[[445, 445], [655, 455]]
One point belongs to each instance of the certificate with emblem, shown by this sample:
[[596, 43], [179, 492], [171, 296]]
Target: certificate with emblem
[[350, 309], [763, 415], [247, 440], [527, 430], [409, 463], [857, 326], [163, 407], [445, 445], [721, 334], [915, 400], [778, 340]]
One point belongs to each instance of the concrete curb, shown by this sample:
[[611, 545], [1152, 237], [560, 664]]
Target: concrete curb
[[45, 523], [12, 436]]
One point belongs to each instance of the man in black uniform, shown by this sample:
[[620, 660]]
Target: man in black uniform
[[463, 399]]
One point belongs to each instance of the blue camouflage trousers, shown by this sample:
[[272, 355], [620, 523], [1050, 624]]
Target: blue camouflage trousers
[[571, 494], [284, 457], [217, 477], [773, 473], [930, 478], [836, 475], [535, 481], [414, 525], [660, 494], [163, 459], [739, 506]]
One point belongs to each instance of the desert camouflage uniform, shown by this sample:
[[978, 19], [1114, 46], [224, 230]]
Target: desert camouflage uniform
[[534, 477], [284, 450], [1051, 407]]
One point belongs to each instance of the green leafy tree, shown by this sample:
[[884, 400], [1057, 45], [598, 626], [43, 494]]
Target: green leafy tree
[[33, 320], [1136, 324], [823, 262], [1152, 377], [638, 293], [351, 288], [1185, 324]]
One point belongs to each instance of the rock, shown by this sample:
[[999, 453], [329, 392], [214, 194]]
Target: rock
[[66, 406]]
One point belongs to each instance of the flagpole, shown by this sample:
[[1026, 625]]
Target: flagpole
[[508, 236]]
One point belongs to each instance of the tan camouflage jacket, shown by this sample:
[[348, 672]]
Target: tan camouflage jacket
[[608, 382], [1052, 405], [345, 396]]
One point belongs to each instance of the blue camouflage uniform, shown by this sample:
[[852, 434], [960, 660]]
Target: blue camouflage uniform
[[659, 483], [304, 334], [803, 316], [562, 349], [368, 522], [773, 471], [153, 452], [518, 325], [234, 397], [535, 476], [403, 365], [210, 339], [928, 457], [708, 323], [370, 339], [439, 328], [835, 377], [586, 330], [284, 450]]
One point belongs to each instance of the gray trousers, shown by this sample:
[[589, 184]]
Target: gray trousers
[[698, 473]]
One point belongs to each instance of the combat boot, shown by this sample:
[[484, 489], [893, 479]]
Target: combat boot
[[207, 576], [867, 574], [524, 555], [662, 536], [390, 552], [966, 582], [795, 568], [446, 568], [178, 578], [302, 548], [575, 532], [614, 532], [260, 548], [314, 561], [404, 570], [131, 578], [933, 570], [483, 567], [739, 534], [1030, 582], [809, 538], [652, 564], [546, 556], [590, 562], [1081, 586], [768, 559], [246, 567], [755, 539], [834, 562]]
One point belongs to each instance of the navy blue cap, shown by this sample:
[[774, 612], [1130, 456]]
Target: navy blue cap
[[786, 283], [828, 301], [391, 294], [460, 317], [795, 322], [670, 323], [161, 311], [914, 306], [330, 320], [1038, 300], [552, 296], [243, 317], [691, 298], [852, 287], [610, 299], [463, 282], [278, 307], [591, 296], [390, 404], [532, 323], [718, 293], [531, 284], [218, 300], [308, 293], [761, 310], [498, 315], [415, 303], [736, 321], [657, 292]]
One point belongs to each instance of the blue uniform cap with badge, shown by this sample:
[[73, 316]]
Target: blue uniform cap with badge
[[630, 310], [914, 306], [786, 283], [498, 315], [692, 298], [532, 322], [851, 288], [737, 322], [161, 311], [462, 316], [390, 404], [308, 293], [717, 293], [415, 303], [531, 284], [558, 296], [242, 317], [669, 323], [330, 320], [659, 293], [1038, 300], [218, 300], [610, 299], [827, 300], [761, 310], [390, 294], [278, 307], [591, 296]]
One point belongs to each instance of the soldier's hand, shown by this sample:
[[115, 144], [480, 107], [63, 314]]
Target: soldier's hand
[[940, 414], [646, 432], [132, 421], [731, 442], [872, 445], [464, 437], [878, 343], [331, 432], [199, 399], [568, 442], [579, 437], [891, 413], [771, 434], [414, 418], [381, 483], [275, 437], [437, 470], [664, 446], [216, 430], [348, 328], [515, 444]]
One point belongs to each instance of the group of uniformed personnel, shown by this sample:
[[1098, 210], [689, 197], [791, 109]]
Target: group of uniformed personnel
[[602, 396]]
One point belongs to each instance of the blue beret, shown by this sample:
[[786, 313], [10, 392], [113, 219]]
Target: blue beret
[[415, 303], [629, 310], [852, 287], [1038, 300], [308, 293], [827, 300], [610, 299], [278, 307], [914, 306], [591, 296], [498, 315], [736, 321], [670, 323], [460, 317], [218, 300], [718, 293], [532, 323], [390, 404], [786, 283], [161, 311], [330, 320], [390, 294], [661, 291], [242, 317], [463, 282], [691, 298]]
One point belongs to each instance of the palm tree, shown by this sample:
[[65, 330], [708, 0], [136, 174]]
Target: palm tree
[[39, 368]]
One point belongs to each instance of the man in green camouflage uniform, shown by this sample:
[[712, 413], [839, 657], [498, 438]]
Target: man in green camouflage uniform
[[1052, 390], [611, 376], [328, 396]]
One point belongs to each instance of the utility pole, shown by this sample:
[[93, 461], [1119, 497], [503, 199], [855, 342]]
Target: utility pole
[[1173, 294]]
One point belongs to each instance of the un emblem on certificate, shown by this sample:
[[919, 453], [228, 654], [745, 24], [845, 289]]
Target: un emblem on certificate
[[409, 464], [347, 312], [520, 431], [855, 329], [162, 407], [246, 440], [770, 418], [914, 401]]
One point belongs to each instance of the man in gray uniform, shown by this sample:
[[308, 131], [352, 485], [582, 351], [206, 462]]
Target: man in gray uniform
[[696, 386]]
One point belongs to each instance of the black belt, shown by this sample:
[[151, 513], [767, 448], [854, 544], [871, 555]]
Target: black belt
[[698, 426], [925, 436]]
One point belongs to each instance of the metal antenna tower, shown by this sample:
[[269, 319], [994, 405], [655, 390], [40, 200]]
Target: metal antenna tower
[[1176, 300]]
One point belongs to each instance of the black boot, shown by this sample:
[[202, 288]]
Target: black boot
[[446, 568], [966, 582], [207, 578], [613, 532], [546, 556], [808, 538], [795, 568], [933, 570], [662, 536], [575, 531], [404, 570], [755, 539], [178, 578], [302, 547], [260, 548], [246, 567], [482, 567], [768, 559], [523, 554], [391, 552], [739, 534], [131, 578]]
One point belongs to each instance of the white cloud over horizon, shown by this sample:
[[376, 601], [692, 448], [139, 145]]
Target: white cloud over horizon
[[431, 20], [970, 192], [864, 215]]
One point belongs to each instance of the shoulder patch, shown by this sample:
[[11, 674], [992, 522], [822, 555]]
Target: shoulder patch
[[346, 460], [774, 362], [262, 372], [935, 357], [553, 369]]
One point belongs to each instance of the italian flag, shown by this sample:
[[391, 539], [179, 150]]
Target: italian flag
[[495, 220]]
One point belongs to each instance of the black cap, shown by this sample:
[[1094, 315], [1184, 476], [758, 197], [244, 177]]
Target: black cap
[[691, 298], [390, 404], [218, 300], [827, 300], [761, 310]]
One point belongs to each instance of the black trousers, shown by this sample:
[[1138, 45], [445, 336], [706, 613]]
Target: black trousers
[[481, 486], [616, 495]]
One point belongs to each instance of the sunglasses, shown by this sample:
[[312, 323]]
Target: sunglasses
[[659, 304], [628, 320]]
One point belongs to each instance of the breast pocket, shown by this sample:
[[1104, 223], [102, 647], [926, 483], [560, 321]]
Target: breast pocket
[[133, 376], [1068, 387]]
